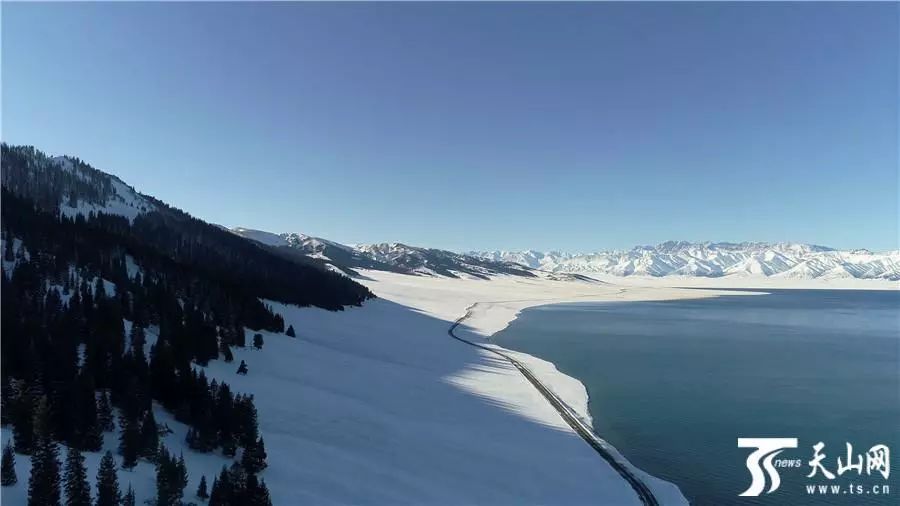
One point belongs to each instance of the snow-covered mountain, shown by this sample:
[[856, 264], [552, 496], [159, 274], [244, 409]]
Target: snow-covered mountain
[[787, 260], [432, 261], [392, 257], [72, 185]]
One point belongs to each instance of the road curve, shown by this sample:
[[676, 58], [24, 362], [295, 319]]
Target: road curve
[[571, 418]]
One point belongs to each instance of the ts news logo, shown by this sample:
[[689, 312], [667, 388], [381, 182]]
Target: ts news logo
[[767, 448]]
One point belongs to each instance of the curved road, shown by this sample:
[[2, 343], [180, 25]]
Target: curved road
[[571, 418]]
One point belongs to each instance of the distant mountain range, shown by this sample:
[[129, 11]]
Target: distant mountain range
[[673, 258], [77, 189], [708, 259], [393, 257]]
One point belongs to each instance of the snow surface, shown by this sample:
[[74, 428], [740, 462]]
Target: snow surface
[[377, 405], [260, 236], [142, 478]]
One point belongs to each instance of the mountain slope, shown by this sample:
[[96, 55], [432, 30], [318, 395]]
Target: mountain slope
[[68, 187], [115, 305], [390, 257], [801, 261]]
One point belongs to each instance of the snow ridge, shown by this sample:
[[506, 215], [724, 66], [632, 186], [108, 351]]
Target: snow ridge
[[709, 259], [117, 198]]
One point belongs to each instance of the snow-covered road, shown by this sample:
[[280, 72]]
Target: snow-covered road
[[578, 425]]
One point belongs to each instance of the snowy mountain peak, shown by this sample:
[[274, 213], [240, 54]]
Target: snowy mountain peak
[[71, 185], [715, 259], [261, 236]]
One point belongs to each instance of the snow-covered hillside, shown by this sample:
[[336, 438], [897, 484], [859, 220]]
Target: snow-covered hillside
[[81, 189], [122, 200], [391, 257], [785, 260], [377, 405]]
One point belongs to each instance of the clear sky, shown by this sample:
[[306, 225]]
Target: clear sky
[[478, 126]]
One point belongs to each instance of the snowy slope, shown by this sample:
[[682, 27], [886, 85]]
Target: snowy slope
[[120, 199], [793, 261], [377, 405], [260, 236]]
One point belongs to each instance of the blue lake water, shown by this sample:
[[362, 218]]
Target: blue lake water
[[673, 385]]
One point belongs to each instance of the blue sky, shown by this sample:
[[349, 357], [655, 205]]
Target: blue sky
[[478, 126]]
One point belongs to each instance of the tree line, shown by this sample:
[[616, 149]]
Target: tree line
[[103, 319]]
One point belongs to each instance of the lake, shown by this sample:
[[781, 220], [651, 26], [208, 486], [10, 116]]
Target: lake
[[673, 384]]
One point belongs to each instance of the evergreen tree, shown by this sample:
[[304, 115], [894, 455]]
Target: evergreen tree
[[171, 478], [89, 433], [229, 447], [227, 354], [149, 443], [23, 424], [129, 441], [104, 413], [8, 249], [258, 341], [6, 401], [290, 331], [44, 482], [78, 491], [107, 482], [129, 500], [254, 457], [256, 493], [201, 489], [221, 493], [8, 469], [137, 338]]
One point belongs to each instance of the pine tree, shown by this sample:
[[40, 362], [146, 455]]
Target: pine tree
[[89, 433], [107, 482], [201, 489], [8, 249], [138, 338], [221, 493], [229, 447], [8, 469], [192, 439], [248, 421], [44, 482], [129, 441], [214, 492], [256, 492], [254, 457], [290, 331], [258, 341], [78, 491], [23, 424], [6, 401], [149, 438], [129, 500], [171, 478], [104, 413], [227, 354], [99, 289]]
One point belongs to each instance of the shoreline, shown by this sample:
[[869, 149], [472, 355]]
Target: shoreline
[[638, 480], [574, 394], [502, 299]]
